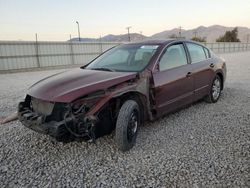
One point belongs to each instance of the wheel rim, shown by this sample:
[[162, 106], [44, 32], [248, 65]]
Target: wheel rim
[[216, 89], [132, 125]]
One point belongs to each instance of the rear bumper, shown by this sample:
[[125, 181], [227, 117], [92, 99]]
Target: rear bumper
[[37, 122]]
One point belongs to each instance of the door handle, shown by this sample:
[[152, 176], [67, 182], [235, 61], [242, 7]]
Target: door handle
[[211, 65], [188, 74]]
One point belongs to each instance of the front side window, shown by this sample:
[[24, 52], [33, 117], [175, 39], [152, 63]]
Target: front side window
[[196, 52], [125, 58], [174, 56]]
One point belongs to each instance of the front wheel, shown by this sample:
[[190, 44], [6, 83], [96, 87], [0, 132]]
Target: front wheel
[[127, 125], [215, 90]]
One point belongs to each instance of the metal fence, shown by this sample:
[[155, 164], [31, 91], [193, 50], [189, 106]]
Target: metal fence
[[29, 55], [23, 55], [225, 47]]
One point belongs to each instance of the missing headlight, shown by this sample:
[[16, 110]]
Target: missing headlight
[[41, 107]]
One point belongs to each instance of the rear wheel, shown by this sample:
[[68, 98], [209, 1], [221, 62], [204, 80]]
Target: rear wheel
[[215, 90], [127, 125]]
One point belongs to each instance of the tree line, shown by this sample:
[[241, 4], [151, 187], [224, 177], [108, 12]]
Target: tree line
[[229, 36]]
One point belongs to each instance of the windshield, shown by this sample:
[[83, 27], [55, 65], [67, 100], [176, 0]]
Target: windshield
[[125, 58]]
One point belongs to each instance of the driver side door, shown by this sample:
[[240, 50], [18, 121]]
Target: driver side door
[[173, 80]]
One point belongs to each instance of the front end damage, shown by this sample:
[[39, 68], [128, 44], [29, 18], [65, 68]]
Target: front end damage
[[60, 120], [88, 117]]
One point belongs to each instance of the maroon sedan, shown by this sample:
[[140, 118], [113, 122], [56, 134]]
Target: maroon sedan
[[121, 89]]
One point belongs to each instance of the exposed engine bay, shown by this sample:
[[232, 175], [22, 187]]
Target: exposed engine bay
[[65, 122]]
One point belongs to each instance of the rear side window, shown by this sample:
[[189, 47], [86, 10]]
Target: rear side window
[[196, 52], [173, 56]]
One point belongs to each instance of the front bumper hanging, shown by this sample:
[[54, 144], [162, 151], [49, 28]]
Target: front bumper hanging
[[37, 122], [67, 126]]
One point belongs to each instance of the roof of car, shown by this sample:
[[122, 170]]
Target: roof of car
[[160, 42], [164, 42], [155, 42]]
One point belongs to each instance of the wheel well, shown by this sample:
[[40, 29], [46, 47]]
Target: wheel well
[[138, 97], [108, 113], [222, 79]]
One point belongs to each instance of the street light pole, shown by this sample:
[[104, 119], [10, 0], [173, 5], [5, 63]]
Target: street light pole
[[79, 36], [128, 33]]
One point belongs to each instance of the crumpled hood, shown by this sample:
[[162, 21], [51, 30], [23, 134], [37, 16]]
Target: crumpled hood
[[70, 85]]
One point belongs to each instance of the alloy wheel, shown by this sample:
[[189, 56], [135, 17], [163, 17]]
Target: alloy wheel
[[133, 125], [216, 89]]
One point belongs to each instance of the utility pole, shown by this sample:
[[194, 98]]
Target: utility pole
[[141, 35], [180, 32], [70, 37], [128, 28], [79, 36], [195, 34]]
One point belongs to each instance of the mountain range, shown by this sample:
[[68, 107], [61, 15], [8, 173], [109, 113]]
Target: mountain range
[[211, 33]]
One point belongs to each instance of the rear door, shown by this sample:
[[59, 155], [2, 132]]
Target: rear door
[[173, 80], [202, 67]]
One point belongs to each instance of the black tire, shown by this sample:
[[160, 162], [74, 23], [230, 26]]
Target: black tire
[[127, 125], [211, 97]]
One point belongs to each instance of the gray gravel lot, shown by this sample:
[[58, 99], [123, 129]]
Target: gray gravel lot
[[205, 145]]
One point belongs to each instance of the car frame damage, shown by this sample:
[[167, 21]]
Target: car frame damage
[[87, 117]]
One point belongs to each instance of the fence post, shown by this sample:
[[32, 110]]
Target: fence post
[[100, 44], [37, 52], [71, 53]]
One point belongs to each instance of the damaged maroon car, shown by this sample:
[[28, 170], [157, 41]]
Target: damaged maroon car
[[121, 89]]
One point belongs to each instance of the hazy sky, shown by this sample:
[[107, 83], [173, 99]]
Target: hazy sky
[[55, 19]]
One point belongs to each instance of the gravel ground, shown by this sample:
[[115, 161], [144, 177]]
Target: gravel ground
[[205, 145]]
